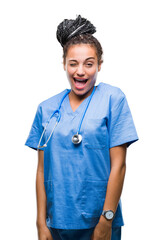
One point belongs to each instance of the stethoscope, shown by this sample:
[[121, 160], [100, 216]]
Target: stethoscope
[[76, 138]]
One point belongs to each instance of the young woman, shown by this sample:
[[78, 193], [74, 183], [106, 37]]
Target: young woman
[[81, 135]]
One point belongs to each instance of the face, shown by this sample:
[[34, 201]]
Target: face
[[81, 66]]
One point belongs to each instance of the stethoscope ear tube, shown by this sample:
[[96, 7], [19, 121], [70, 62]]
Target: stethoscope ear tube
[[58, 119], [45, 144]]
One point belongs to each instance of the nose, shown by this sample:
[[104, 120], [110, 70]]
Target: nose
[[80, 70]]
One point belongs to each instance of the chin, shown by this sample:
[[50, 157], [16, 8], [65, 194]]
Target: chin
[[82, 92]]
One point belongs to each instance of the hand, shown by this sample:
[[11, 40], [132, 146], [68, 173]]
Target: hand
[[44, 233], [102, 230]]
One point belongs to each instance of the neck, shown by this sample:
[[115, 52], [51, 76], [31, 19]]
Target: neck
[[74, 97]]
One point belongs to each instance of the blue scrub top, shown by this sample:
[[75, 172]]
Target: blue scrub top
[[76, 176]]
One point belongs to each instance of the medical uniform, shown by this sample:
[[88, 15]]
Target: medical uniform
[[76, 176]]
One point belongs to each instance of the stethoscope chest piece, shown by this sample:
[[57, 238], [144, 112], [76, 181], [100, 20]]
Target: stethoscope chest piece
[[77, 138]]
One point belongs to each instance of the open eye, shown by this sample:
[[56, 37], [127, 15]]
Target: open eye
[[89, 64]]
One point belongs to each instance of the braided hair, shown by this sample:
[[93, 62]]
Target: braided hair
[[79, 31]]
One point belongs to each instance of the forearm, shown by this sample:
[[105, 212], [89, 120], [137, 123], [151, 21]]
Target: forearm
[[114, 188], [116, 178], [41, 198]]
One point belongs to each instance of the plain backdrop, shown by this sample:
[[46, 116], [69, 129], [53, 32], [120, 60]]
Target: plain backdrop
[[131, 33]]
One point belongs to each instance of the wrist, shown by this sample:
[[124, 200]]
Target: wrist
[[104, 221], [40, 224]]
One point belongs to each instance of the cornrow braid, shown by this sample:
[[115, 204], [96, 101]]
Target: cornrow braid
[[78, 31], [84, 39]]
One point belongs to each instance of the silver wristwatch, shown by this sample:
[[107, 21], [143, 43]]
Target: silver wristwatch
[[109, 215]]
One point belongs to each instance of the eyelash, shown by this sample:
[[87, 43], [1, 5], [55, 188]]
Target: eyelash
[[87, 64]]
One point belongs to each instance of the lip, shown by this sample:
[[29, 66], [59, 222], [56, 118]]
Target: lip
[[80, 80]]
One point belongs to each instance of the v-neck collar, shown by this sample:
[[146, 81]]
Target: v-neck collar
[[79, 108]]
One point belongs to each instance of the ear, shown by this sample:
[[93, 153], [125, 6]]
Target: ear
[[64, 66]]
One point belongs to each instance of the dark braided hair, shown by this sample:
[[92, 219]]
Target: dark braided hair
[[78, 31]]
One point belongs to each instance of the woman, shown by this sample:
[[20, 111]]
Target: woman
[[81, 135]]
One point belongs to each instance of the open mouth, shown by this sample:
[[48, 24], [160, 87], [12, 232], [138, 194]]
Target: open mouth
[[80, 82]]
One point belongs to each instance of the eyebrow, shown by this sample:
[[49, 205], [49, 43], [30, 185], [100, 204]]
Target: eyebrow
[[85, 59]]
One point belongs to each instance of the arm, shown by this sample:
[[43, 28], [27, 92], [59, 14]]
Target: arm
[[116, 178], [114, 189], [40, 191], [43, 231]]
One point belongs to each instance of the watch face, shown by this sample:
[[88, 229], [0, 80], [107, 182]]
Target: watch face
[[109, 215]]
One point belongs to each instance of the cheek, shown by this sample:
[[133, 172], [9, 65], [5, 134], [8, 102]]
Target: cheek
[[92, 72], [69, 71]]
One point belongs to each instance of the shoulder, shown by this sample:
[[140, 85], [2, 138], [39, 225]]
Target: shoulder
[[52, 101], [115, 94]]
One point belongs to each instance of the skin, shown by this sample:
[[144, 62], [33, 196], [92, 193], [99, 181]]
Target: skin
[[81, 62], [43, 231], [103, 229]]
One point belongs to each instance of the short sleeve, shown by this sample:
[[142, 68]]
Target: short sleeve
[[122, 128], [36, 130]]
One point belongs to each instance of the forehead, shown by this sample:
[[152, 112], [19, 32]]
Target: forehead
[[81, 52]]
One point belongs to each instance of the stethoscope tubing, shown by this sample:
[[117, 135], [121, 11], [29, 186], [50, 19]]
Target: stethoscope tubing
[[59, 117], [81, 121]]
